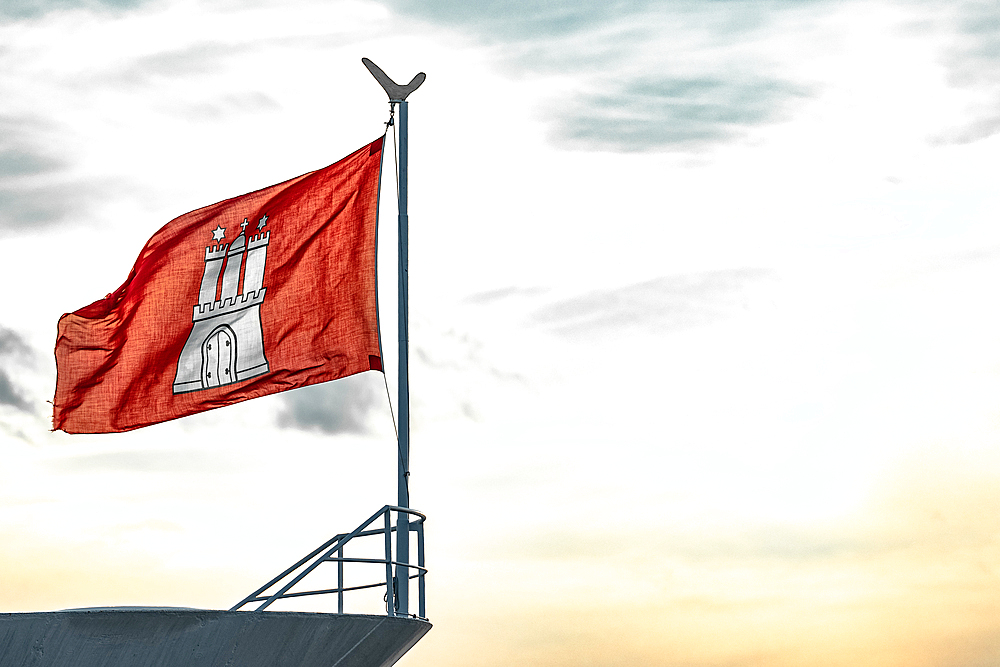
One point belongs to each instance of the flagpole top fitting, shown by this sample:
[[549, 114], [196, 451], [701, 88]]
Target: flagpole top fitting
[[396, 92]]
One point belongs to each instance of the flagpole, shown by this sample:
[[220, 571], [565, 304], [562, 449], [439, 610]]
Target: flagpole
[[397, 95], [402, 519]]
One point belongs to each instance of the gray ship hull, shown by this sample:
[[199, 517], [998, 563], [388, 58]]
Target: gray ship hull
[[172, 637]]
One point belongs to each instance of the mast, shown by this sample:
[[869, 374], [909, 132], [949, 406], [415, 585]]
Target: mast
[[403, 491], [397, 95]]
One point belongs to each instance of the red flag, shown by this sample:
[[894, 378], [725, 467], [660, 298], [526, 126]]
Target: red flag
[[257, 294]]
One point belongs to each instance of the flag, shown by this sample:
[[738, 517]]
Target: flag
[[256, 294]]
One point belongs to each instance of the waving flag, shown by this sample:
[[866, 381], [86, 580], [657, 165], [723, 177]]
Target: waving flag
[[257, 294]]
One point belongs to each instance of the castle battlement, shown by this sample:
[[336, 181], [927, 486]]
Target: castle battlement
[[205, 311], [216, 251], [259, 240]]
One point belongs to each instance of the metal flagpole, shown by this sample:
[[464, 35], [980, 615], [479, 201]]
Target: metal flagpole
[[402, 519], [397, 95]]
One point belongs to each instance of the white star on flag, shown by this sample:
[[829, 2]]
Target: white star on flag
[[218, 233]]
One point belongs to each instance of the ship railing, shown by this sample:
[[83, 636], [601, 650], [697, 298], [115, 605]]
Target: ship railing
[[332, 551]]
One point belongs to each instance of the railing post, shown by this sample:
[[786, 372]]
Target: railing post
[[390, 598], [340, 580], [420, 561]]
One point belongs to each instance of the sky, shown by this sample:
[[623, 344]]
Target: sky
[[704, 361]]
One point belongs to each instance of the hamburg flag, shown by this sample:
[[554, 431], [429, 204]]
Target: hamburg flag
[[257, 294]]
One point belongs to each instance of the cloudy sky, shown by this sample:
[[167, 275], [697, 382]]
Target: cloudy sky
[[705, 362]]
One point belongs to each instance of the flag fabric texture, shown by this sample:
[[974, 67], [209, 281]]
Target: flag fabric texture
[[253, 295]]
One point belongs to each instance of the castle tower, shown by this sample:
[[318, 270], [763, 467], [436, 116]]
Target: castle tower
[[215, 257], [253, 276], [234, 263], [226, 343]]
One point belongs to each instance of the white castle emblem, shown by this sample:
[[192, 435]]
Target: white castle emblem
[[226, 343]]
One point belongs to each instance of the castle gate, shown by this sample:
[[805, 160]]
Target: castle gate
[[218, 354]]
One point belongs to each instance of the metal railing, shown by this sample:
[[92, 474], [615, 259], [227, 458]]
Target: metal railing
[[332, 551]]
